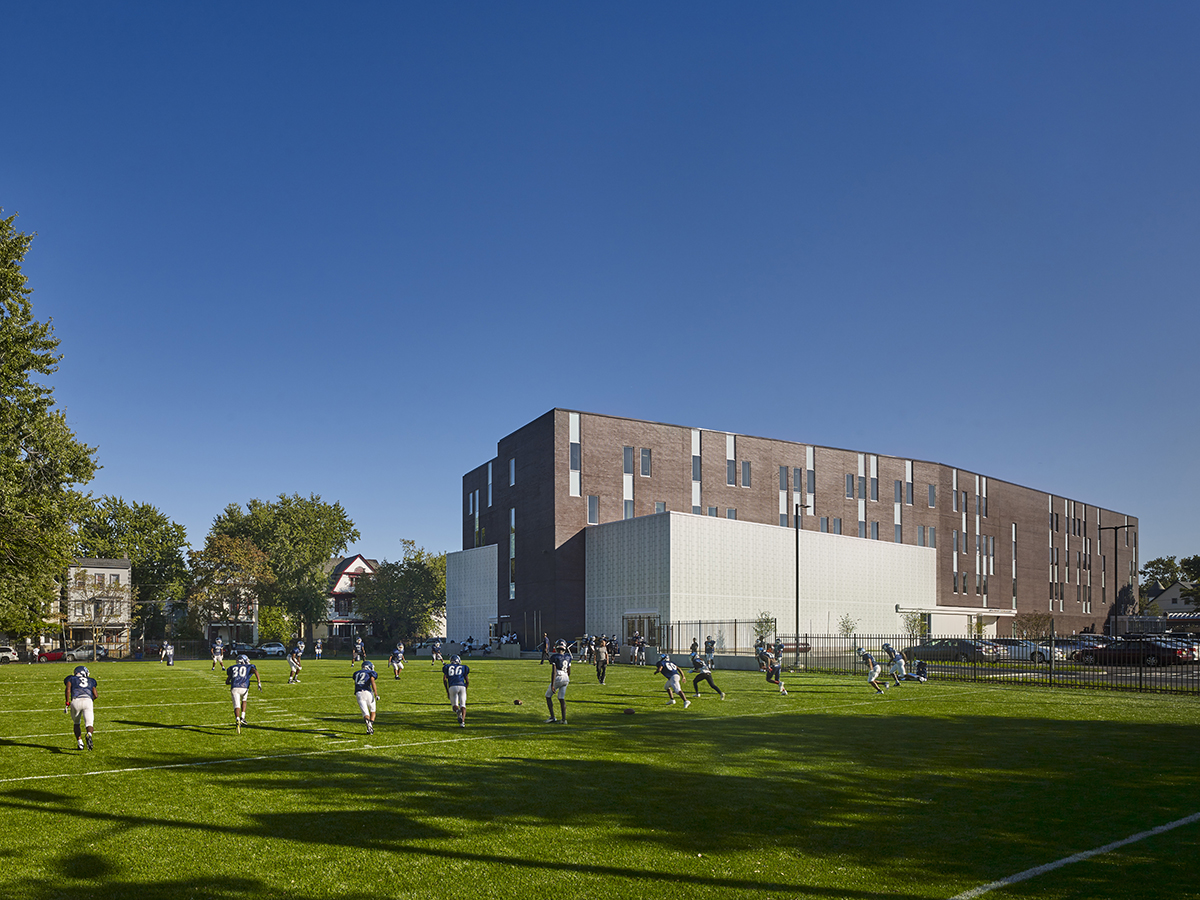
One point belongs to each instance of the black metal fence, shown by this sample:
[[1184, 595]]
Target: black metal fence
[[1158, 663]]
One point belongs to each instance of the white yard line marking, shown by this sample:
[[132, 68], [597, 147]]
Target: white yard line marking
[[1087, 854]]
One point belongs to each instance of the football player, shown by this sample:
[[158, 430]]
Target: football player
[[435, 653], [601, 651], [674, 677], [237, 677], [702, 672], [294, 665], [455, 680], [79, 690], [896, 658], [317, 648], [774, 667], [560, 677], [397, 659], [873, 670], [218, 654], [358, 652], [710, 647], [366, 693]]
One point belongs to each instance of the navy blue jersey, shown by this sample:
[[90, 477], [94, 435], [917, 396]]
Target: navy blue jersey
[[294, 656], [709, 646], [396, 656], [868, 660], [81, 685], [892, 654], [362, 679], [699, 666], [561, 661], [239, 675], [669, 669], [456, 674]]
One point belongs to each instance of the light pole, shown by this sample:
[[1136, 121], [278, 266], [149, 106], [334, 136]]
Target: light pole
[[796, 520], [1114, 529]]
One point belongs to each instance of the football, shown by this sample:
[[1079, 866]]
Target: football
[[629, 712], [516, 703]]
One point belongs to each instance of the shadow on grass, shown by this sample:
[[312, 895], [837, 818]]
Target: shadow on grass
[[930, 799]]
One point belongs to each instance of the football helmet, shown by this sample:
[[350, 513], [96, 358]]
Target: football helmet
[[887, 646], [560, 645], [367, 664], [456, 658], [244, 660], [860, 651], [81, 670]]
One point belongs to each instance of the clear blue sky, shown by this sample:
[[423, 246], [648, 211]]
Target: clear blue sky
[[343, 248]]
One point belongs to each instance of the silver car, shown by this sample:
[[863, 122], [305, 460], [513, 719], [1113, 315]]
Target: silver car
[[1017, 650]]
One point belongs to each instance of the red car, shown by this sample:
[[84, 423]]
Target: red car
[[1136, 652], [51, 655]]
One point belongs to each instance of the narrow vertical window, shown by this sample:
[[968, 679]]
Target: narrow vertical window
[[512, 472], [593, 510], [825, 523], [731, 471], [862, 487], [489, 489], [932, 496], [783, 478], [512, 554], [575, 454], [629, 509], [874, 531], [920, 535], [899, 487], [862, 529], [875, 489], [696, 469], [849, 487], [812, 481], [645, 462], [837, 526], [908, 493], [899, 533], [745, 473], [932, 536], [627, 460]]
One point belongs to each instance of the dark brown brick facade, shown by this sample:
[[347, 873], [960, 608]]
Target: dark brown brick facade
[[550, 524]]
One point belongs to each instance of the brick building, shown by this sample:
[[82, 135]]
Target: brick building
[[981, 549]]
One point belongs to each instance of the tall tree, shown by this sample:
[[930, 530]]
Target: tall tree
[[230, 575], [298, 535], [41, 461], [403, 597], [155, 545], [1163, 569]]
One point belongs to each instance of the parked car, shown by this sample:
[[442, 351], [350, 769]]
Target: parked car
[[7, 655], [955, 649], [271, 648], [1017, 650], [1137, 651], [50, 655], [236, 649], [83, 653]]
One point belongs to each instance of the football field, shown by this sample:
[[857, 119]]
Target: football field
[[928, 791]]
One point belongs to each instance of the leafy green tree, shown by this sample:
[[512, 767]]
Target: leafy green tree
[[764, 626], [229, 576], [298, 535], [41, 461], [115, 529], [274, 624], [1163, 569], [402, 598]]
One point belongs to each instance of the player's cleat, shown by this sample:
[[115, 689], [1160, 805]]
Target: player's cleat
[[782, 692], [552, 721], [89, 740], [671, 702], [722, 696], [80, 743], [370, 727], [563, 722], [686, 704]]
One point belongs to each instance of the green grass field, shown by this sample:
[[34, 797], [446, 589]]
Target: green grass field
[[832, 792]]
